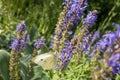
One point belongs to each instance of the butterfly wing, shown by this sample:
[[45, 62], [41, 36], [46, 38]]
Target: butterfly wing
[[46, 61], [39, 59], [49, 63]]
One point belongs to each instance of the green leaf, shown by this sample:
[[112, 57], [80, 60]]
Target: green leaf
[[55, 77], [32, 33], [23, 70], [4, 64], [38, 74], [118, 77], [28, 49], [1, 78], [24, 62]]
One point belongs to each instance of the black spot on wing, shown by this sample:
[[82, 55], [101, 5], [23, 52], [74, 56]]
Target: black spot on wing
[[41, 59]]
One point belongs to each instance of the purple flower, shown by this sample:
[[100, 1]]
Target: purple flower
[[15, 45], [39, 43], [107, 40], [22, 39], [111, 37], [85, 43], [108, 79], [18, 45], [114, 62], [65, 1], [110, 43], [66, 53], [70, 32], [101, 45], [25, 40], [118, 27], [96, 35], [90, 19], [77, 7], [88, 40], [21, 27], [73, 10], [74, 13], [118, 30]]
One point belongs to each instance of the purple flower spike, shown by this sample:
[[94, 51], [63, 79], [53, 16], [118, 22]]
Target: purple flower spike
[[111, 37], [108, 79], [101, 45], [66, 53], [75, 11], [118, 27], [118, 30], [77, 7], [17, 45], [87, 41], [39, 43], [21, 27], [96, 35], [114, 62], [90, 19], [69, 18]]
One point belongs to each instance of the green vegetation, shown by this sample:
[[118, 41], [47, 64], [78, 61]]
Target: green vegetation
[[41, 17]]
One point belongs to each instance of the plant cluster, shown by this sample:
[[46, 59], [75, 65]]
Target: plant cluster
[[83, 54]]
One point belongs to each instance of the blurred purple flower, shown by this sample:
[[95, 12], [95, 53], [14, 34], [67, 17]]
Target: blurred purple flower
[[77, 7], [71, 18], [110, 43], [88, 40], [114, 62], [101, 45], [90, 19], [66, 53], [111, 37], [108, 79], [39, 43], [118, 30], [96, 35], [17, 45], [21, 27]]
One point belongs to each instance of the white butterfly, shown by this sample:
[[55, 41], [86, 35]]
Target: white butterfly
[[47, 61]]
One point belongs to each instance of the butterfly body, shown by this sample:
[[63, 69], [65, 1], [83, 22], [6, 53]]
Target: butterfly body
[[47, 61]]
